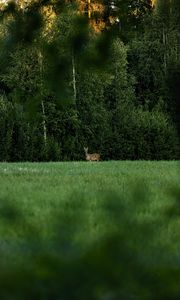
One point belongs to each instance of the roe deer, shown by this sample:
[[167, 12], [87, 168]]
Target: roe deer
[[91, 157]]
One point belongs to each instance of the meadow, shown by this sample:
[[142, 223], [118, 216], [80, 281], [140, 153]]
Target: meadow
[[71, 208]]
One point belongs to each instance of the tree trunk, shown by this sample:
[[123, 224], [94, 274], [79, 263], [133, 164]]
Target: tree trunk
[[74, 78], [44, 123], [42, 102], [89, 9]]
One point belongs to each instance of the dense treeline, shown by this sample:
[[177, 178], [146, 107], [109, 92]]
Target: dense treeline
[[123, 104]]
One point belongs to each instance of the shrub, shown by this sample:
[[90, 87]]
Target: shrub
[[144, 135]]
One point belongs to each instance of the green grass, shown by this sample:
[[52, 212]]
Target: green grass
[[120, 218], [41, 191]]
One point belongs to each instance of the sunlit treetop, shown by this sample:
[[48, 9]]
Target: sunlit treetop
[[100, 14], [95, 11], [47, 11]]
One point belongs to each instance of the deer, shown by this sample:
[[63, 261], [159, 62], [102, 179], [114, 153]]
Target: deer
[[91, 157]]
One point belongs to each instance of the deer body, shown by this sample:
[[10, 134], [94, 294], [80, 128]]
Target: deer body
[[91, 157]]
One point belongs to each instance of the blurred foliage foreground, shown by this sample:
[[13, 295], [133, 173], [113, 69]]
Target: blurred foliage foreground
[[124, 264]]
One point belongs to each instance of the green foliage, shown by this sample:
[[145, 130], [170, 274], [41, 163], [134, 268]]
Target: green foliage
[[146, 61], [66, 87], [142, 134], [131, 15], [22, 76], [173, 83], [6, 125], [156, 138]]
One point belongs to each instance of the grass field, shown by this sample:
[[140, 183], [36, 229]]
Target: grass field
[[82, 203], [42, 190]]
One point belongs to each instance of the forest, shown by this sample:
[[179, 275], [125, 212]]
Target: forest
[[98, 74]]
